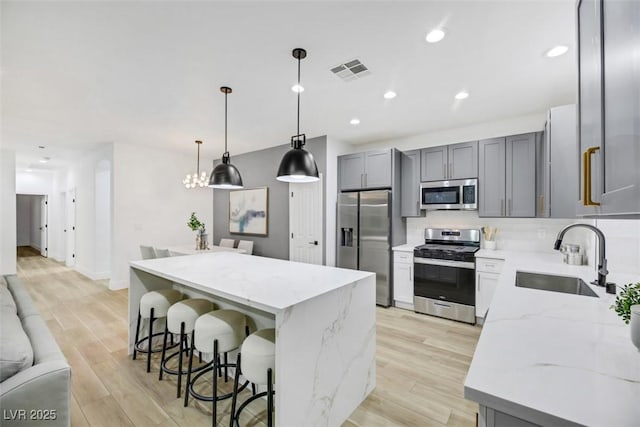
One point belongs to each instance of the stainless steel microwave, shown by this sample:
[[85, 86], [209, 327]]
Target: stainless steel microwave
[[461, 194]]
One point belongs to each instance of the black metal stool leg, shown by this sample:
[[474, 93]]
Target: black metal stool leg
[[225, 368], [215, 383], [269, 398], [186, 392], [180, 359], [234, 397], [253, 389], [151, 319], [200, 356], [164, 350], [135, 343]]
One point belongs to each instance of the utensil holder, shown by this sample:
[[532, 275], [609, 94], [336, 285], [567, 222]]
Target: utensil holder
[[490, 244]]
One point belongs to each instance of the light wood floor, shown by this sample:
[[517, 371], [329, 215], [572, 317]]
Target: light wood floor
[[421, 361]]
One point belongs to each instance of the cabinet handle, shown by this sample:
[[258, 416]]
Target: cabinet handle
[[502, 207], [541, 204], [365, 180], [362, 180], [586, 176], [411, 272], [510, 207], [451, 170], [445, 171], [478, 282]]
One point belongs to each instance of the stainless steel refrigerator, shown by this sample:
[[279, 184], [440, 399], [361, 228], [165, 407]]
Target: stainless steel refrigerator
[[364, 237]]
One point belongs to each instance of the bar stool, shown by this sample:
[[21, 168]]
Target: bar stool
[[153, 305], [217, 332], [258, 366], [181, 319]]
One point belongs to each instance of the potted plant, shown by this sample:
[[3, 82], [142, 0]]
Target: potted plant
[[196, 225], [627, 305]]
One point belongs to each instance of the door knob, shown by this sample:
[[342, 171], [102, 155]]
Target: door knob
[[315, 242]]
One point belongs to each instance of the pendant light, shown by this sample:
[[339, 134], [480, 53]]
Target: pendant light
[[298, 165], [197, 179], [225, 176]]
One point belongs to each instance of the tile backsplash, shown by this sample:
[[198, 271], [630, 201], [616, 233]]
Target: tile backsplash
[[623, 244]]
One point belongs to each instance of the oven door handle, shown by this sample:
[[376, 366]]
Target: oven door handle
[[444, 263]]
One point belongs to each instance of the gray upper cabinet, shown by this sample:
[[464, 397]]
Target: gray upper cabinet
[[365, 170], [621, 144], [507, 176], [557, 164], [463, 160], [410, 184], [434, 163], [492, 176], [351, 169], [521, 175], [455, 161], [590, 113], [377, 169]]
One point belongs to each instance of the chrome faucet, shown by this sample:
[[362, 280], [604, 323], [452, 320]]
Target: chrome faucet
[[602, 261]]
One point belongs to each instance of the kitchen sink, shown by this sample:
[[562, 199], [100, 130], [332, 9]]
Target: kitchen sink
[[547, 282]]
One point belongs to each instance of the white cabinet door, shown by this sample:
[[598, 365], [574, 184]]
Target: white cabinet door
[[486, 284], [403, 282]]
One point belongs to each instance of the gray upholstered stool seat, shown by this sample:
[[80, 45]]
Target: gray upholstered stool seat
[[153, 305], [216, 332], [181, 319], [257, 363]]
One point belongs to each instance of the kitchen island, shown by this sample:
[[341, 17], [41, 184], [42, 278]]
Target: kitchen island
[[324, 319], [552, 359]]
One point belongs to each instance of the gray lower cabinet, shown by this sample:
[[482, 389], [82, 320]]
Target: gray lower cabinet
[[410, 184], [507, 176], [368, 170], [489, 417], [556, 164], [455, 161]]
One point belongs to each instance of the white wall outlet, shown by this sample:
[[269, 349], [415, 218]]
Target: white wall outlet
[[542, 233]]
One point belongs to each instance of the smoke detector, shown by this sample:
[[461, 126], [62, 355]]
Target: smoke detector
[[351, 70]]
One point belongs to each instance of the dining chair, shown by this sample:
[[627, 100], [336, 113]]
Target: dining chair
[[227, 243], [247, 245], [147, 252], [162, 253]]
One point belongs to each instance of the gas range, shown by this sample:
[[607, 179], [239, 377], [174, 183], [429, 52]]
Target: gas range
[[444, 273]]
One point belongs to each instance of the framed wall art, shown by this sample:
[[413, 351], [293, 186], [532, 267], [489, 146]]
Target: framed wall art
[[248, 211]]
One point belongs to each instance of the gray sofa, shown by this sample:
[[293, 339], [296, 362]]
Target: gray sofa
[[38, 394]]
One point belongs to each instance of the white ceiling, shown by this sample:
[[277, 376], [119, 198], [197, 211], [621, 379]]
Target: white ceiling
[[78, 74]]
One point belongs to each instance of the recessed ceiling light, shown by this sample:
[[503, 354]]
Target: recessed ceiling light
[[45, 159], [41, 146], [557, 51], [28, 170], [355, 121], [297, 88], [435, 36], [462, 95], [390, 94]]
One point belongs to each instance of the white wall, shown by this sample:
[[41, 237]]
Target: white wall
[[35, 217], [7, 211], [510, 126], [103, 218], [335, 148], [151, 206]]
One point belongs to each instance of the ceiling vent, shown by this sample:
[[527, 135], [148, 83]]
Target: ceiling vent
[[351, 70]]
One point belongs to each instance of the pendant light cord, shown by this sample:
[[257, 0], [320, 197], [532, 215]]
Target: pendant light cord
[[198, 162], [299, 90], [225, 122]]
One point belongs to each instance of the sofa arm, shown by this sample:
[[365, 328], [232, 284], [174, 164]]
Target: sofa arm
[[37, 396]]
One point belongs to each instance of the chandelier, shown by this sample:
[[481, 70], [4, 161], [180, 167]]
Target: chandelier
[[197, 179]]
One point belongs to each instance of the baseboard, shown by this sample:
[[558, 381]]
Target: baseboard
[[115, 285], [403, 305], [102, 275]]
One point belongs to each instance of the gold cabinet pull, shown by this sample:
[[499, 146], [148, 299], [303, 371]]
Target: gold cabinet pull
[[586, 176], [541, 204]]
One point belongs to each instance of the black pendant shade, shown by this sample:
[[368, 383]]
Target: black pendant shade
[[298, 165], [225, 176]]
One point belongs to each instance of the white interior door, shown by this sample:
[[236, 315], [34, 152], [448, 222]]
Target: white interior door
[[305, 222], [44, 226], [71, 228]]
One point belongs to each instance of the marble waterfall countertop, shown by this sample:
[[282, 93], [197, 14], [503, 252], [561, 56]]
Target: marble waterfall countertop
[[555, 359], [268, 284], [407, 247]]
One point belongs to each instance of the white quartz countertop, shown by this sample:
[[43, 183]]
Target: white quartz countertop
[[265, 283], [407, 247], [552, 358]]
